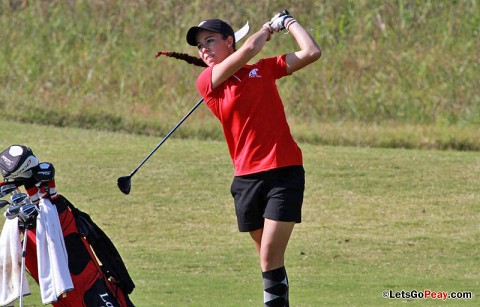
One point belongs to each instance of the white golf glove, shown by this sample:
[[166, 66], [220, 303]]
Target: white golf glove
[[281, 21]]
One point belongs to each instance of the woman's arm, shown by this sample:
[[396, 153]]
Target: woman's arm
[[309, 50], [252, 46]]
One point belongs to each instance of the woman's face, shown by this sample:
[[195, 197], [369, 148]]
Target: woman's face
[[212, 47]]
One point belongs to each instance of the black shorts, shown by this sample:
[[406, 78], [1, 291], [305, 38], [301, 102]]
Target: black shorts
[[275, 194]]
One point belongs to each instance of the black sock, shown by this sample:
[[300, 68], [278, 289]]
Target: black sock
[[275, 288]]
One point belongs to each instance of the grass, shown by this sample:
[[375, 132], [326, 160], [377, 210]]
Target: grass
[[374, 219], [404, 64]]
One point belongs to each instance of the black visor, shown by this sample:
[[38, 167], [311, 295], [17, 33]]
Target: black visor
[[214, 25]]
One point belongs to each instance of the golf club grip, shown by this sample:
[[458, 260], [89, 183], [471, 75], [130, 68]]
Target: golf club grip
[[167, 136]]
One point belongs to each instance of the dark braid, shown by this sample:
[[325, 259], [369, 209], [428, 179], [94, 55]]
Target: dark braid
[[182, 56]]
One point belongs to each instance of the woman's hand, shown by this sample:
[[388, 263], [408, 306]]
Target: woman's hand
[[281, 21], [268, 26]]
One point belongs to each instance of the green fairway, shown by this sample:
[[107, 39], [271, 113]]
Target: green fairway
[[373, 219]]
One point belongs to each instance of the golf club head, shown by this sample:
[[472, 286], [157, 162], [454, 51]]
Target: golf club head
[[20, 199], [124, 183], [4, 203], [7, 189], [27, 211], [12, 212]]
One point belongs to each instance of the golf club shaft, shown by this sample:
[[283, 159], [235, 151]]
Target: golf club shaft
[[166, 137], [22, 269]]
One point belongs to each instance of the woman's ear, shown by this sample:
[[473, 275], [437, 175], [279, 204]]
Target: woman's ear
[[230, 41]]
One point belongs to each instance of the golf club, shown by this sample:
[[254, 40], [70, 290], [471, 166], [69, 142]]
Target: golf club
[[242, 32], [20, 199], [12, 212], [124, 183], [22, 268], [7, 189], [27, 212], [4, 203]]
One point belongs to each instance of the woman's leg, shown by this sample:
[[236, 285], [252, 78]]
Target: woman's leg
[[257, 239], [271, 243], [282, 190]]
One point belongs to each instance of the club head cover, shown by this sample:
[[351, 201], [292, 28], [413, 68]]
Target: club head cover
[[44, 172], [16, 162]]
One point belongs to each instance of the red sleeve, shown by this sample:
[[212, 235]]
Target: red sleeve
[[279, 65], [204, 82]]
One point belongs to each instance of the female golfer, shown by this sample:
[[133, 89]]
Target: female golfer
[[269, 179]]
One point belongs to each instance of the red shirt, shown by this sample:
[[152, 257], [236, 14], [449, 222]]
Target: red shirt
[[252, 115]]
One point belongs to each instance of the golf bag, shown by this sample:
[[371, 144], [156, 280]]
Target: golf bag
[[98, 273]]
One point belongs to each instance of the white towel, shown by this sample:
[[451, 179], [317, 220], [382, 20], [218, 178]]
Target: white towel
[[11, 263], [53, 274]]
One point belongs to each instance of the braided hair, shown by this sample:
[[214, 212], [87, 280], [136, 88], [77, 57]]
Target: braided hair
[[182, 56]]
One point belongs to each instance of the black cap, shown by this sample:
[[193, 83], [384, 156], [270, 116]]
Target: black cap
[[214, 25]]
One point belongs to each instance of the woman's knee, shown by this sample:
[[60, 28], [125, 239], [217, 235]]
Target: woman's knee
[[270, 258]]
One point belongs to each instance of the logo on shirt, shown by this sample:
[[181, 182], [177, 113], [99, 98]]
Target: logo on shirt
[[253, 73]]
